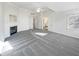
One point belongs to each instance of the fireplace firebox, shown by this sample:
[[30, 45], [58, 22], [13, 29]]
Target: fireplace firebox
[[13, 30]]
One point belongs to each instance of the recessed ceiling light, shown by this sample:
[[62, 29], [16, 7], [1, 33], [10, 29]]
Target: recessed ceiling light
[[38, 10]]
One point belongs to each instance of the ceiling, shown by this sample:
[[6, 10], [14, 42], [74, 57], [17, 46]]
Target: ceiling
[[55, 6]]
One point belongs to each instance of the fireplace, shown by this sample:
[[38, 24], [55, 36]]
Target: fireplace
[[13, 30]]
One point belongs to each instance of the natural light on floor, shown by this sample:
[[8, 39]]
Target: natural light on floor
[[5, 46], [41, 34]]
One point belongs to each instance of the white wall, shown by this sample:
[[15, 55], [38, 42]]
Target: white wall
[[58, 23], [1, 23], [30, 22], [38, 21], [23, 19]]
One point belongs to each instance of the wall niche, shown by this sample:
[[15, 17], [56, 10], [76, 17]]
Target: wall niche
[[13, 20]]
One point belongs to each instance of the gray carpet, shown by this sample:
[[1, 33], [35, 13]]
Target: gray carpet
[[27, 43]]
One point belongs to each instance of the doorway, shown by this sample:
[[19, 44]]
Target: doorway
[[45, 23]]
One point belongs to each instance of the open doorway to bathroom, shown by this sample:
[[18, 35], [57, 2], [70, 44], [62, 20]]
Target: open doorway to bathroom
[[41, 23]]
